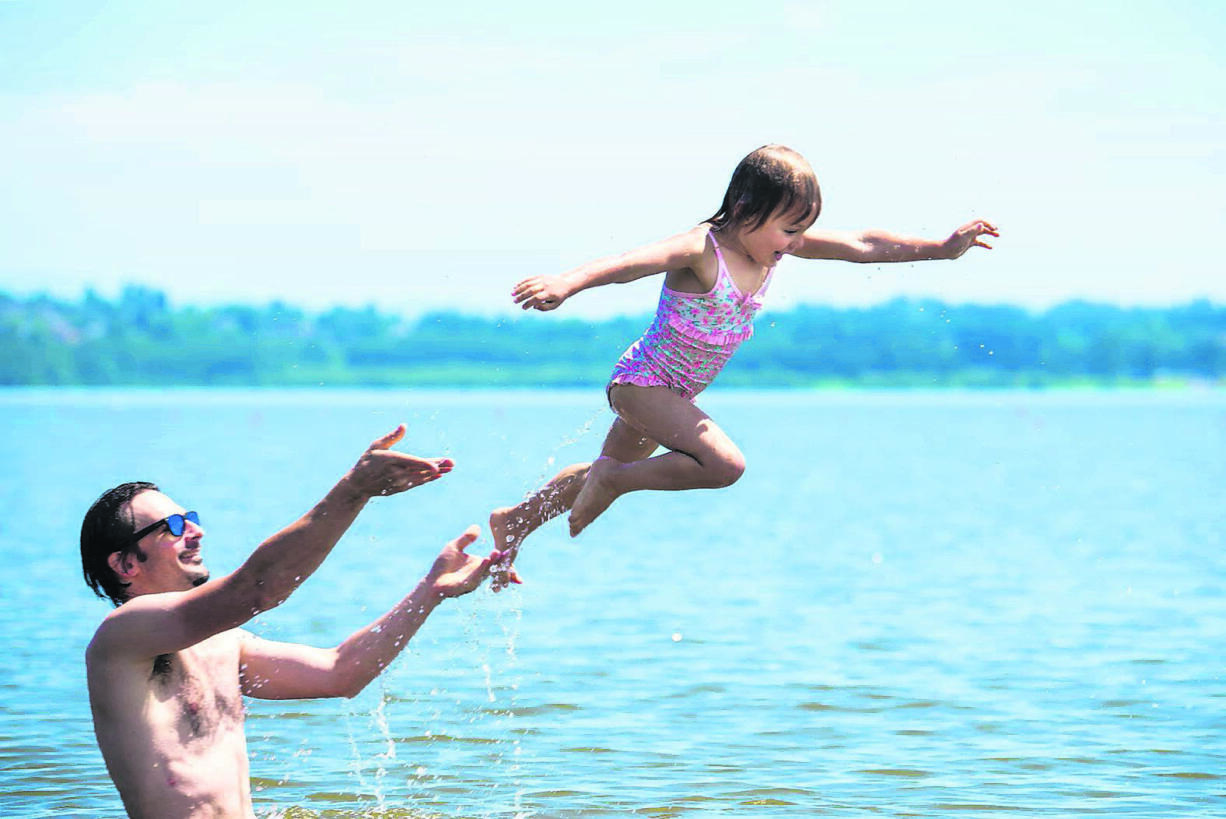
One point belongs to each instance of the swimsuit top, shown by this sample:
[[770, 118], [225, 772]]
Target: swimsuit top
[[722, 315]]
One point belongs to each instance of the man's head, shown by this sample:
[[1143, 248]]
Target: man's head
[[113, 557]]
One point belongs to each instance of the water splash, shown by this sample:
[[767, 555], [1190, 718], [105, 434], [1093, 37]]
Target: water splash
[[569, 439]]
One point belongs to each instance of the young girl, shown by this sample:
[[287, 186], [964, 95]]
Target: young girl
[[715, 277]]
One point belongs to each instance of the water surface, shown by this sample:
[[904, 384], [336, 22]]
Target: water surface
[[932, 604]]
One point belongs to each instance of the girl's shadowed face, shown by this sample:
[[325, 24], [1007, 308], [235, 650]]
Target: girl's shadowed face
[[780, 234]]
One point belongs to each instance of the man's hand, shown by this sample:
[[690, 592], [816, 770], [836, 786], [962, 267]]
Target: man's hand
[[967, 236], [382, 471], [454, 572]]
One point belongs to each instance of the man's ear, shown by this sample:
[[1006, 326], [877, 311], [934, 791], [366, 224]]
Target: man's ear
[[124, 565]]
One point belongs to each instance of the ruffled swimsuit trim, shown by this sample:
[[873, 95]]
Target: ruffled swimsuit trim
[[722, 315], [693, 335]]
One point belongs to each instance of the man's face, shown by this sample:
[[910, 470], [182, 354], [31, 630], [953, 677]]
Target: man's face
[[171, 563]]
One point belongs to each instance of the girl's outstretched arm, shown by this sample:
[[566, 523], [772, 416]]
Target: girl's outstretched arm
[[678, 252], [880, 246]]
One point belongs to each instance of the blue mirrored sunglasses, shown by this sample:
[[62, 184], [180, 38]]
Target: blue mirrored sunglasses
[[175, 523]]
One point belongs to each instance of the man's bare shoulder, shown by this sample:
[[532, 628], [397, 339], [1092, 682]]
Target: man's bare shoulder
[[114, 634], [140, 629], [106, 638], [116, 670]]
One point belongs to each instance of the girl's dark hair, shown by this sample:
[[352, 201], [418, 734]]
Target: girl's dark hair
[[772, 179], [108, 528]]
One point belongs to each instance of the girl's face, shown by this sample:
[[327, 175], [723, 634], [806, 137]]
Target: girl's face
[[780, 234]]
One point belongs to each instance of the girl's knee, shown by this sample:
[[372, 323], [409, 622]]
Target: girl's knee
[[727, 469]]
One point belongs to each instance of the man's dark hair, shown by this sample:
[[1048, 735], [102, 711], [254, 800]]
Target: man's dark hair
[[108, 527]]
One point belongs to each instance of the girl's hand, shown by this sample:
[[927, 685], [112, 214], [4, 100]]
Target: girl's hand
[[540, 292], [967, 236]]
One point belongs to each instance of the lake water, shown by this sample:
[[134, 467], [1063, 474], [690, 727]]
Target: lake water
[[913, 604]]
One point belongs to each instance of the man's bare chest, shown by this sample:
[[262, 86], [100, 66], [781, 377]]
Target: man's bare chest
[[196, 691]]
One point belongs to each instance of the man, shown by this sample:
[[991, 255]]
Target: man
[[169, 666]]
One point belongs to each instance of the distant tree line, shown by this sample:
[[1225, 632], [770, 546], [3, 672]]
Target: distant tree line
[[139, 338]]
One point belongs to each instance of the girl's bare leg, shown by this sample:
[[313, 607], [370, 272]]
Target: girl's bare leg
[[509, 525], [701, 455]]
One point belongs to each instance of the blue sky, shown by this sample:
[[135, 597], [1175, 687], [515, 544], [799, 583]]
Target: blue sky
[[419, 157]]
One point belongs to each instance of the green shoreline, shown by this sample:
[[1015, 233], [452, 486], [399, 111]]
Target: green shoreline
[[732, 386], [140, 339]]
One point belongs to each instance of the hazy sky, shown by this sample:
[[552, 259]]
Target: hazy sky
[[423, 156]]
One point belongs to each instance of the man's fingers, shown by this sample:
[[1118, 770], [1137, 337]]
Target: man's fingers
[[432, 466], [415, 465], [401, 472]]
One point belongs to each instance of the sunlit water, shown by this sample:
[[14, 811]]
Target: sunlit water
[[913, 604]]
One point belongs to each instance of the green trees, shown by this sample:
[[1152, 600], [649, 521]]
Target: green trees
[[139, 338]]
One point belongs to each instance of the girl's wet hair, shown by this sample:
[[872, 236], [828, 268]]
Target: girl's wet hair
[[108, 528], [772, 179]]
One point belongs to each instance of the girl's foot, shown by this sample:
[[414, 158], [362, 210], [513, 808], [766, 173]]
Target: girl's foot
[[507, 541], [597, 493]]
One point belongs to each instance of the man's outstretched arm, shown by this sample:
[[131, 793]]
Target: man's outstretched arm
[[154, 624], [273, 670]]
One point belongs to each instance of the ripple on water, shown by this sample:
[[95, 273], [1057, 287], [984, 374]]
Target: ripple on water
[[531, 710], [908, 773], [447, 738]]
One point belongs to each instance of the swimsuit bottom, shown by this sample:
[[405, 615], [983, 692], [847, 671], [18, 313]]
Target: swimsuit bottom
[[668, 357]]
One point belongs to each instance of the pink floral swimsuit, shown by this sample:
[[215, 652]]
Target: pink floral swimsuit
[[693, 335]]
